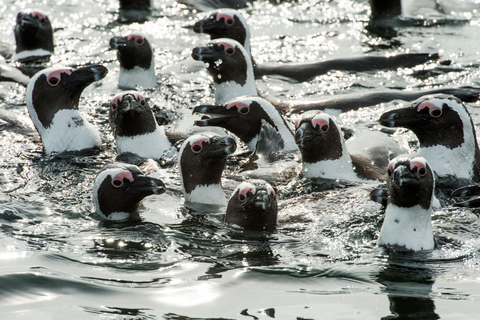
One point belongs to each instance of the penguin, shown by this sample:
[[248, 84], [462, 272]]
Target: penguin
[[253, 206], [136, 58], [407, 225], [246, 117], [202, 161], [325, 154], [33, 37], [445, 132], [469, 191], [118, 190], [229, 23], [135, 128], [227, 62], [52, 99]]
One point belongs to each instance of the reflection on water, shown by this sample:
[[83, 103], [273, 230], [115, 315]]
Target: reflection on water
[[182, 262]]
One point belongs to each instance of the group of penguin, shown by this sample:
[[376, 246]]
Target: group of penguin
[[447, 141]]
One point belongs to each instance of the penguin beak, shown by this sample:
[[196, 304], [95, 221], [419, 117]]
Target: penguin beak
[[208, 53], [25, 20], [119, 42], [84, 76], [404, 118], [305, 134], [207, 26], [402, 175], [144, 186], [220, 115], [129, 103], [467, 192], [261, 200], [221, 146]]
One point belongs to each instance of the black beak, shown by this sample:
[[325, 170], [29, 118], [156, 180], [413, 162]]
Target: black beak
[[220, 113], [26, 20], [262, 200], [205, 53], [404, 118], [205, 26], [86, 75], [221, 146], [119, 42], [401, 175], [129, 103], [144, 186], [305, 133]]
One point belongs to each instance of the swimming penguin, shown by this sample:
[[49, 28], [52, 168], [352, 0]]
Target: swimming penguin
[[325, 154], [445, 132], [246, 117], [33, 37], [118, 190], [473, 192], [228, 64], [253, 206], [52, 100], [229, 23], [202, 160], [137, 66], [135, 127], [407, 225]]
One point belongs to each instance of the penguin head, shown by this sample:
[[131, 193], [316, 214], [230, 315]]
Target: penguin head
[[410, 182], [118, 190], [242, 116], [438, 120], [318, 137], [225, 23], [203, 158], [226, 60], [253, 206], [33, 32], [133, 50], [54, 89], [130, 115]]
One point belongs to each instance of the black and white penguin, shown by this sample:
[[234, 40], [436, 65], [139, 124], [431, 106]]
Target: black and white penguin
[[135, 128], [202, 160], [229, 23], [118, 190], [246, 117], [136, 58], [33, 37], [227, 62], [325, 154], [472, 192], [445, 132], [407, 225], [52, 98], [229, 65], [253, 206]]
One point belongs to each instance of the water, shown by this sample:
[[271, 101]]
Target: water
[[58, 261]]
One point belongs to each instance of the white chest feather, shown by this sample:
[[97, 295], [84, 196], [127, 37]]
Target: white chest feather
[[31, 53], [207, 194], [408, 227], [331, 169], [228, 90], [445, 161], [69, 131], [130, 79], [149, 145]]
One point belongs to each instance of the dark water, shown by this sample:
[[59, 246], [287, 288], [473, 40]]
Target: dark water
[[57, 261]]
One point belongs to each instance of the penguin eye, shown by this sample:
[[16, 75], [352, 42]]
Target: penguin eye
[[228, 48], [197, 146], [116, 101], [433, 110], [321, 123], [243, 194], [140, 98], [53, 80], [117, 183], [228, 19], [114, 106], [418, 167], [271, 191], [54, 77], [138, 39], [39, 16], [390, 168]]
